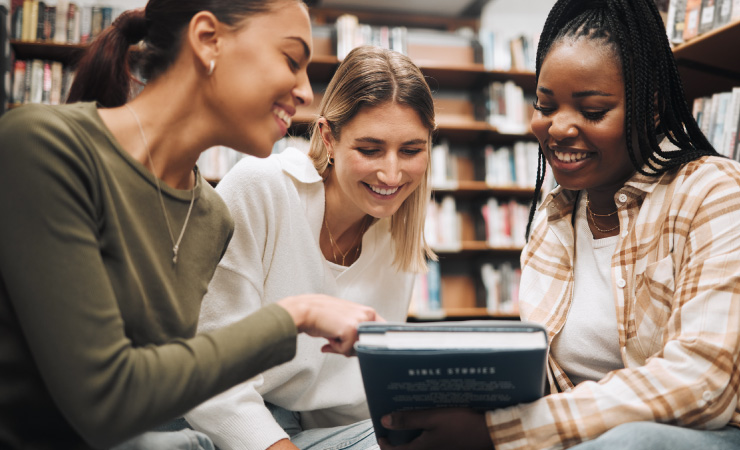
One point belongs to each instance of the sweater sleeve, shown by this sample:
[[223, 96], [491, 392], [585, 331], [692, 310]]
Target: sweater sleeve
[[692, 380], [53, 274], [238, 418]]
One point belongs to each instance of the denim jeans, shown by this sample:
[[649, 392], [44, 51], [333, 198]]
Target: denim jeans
[[357, 436], [186, 439], [657, 436], [175, 435]]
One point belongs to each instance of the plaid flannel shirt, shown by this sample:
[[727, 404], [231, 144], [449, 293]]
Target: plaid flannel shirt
[[675, 276]]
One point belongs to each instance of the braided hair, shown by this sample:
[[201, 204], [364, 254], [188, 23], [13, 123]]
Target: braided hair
[[652, 85]]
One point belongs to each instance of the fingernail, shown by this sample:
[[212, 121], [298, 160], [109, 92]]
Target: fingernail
[[387, 421]]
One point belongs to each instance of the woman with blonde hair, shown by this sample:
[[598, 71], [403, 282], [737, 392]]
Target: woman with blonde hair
[[347, 221]]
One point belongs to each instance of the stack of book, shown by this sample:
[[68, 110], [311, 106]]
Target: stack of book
[[687, 19], [350, 34], [503, 54], [505, 222], [496, 283], [40, 81], [718, 116], [512, 165], [60, 21], [503, 166], [424, 46], [508, 109]]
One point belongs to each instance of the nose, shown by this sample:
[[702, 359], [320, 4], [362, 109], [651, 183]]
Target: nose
[[390, 172], [302, 92], [563, 126]]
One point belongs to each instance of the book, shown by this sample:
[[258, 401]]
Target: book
[[691, 20], [676, 21], [735, 10], [481, 365], [708, 14], [723, 13]]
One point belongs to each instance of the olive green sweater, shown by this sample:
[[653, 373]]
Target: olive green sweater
[[97, 323]]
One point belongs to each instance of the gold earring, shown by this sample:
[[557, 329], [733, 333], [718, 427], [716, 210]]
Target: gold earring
[[211, 66], [331, 159]]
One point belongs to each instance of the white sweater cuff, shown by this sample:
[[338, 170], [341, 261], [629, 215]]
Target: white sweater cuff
[[253, 428]]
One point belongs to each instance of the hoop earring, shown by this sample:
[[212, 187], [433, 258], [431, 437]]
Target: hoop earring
[[331, 160], [211, 66]]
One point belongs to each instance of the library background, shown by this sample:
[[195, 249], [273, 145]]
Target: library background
[[478, 56]]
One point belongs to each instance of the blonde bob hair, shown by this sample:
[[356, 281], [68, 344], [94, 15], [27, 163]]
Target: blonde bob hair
[[368, 77]]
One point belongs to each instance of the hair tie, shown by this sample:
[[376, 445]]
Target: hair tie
[[132, 24]]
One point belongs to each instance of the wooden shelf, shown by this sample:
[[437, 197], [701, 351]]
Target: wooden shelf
[[439, 76], [66, 53], [707, 63], [475, 188], [465, 130], [470, 247], [330, 15], [462, 314]]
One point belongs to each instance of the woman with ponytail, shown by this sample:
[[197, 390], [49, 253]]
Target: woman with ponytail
[[110, 236], [633, 262]]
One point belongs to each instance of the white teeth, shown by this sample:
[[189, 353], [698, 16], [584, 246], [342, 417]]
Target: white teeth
[[284, 116], [569, 157], [383, 191]]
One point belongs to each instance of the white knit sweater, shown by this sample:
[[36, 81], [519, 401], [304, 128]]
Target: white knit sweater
[[278, 209]]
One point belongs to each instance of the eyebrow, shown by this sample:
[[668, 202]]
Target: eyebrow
[[372, 140], [579, 94], [306, 50]]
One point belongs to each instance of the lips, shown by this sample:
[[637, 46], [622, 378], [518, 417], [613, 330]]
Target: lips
[[569, 157], [283, 115], [384, 191]]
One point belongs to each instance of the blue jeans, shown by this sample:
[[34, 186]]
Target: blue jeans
[[177, 435], [358, 436], [186, 439], [657, 436]]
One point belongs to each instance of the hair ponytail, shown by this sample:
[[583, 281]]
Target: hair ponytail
[[103, 73]]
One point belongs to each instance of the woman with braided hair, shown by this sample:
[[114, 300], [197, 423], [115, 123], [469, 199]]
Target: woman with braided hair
[[633, 261]]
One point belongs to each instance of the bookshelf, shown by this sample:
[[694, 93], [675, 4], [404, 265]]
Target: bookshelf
[[706, 62], [456, 123]]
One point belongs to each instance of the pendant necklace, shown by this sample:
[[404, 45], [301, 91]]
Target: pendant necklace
[[593, 216], [175, 245], [334, 245]]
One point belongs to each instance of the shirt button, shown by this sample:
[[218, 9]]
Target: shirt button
[[706, 395], [621, 283], [622, 198]]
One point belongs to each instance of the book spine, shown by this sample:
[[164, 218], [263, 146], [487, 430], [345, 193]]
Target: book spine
[[60, 25], [434, 285], [19, 75], [693, 13], [40, 20], [56, 83], [707, 16], [18, 23], [85, 23]]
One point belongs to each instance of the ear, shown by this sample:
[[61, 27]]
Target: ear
[[205, 35], [326, 134]]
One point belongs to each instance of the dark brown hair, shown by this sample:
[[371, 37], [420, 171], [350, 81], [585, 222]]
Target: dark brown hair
[[104, 74]]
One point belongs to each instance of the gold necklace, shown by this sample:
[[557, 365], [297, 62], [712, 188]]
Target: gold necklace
[[592, 215], [175, 245], [333, 244]]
